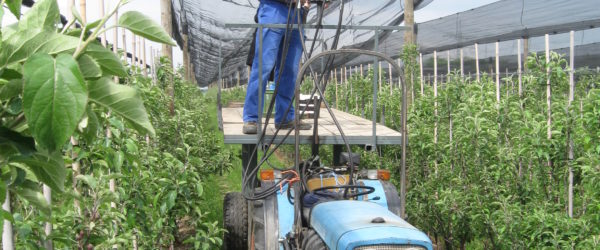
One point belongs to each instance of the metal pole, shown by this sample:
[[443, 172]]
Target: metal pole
[[375, 77], [260, 87]]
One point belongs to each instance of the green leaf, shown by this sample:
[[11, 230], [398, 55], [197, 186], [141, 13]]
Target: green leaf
[[76, 14], [25, 145], [34, 197], [54, 98], [48, 170], [89, 180], [121, 100], [108, 61], [144, 26], [89, 67], [43, 15], [11, 89], [15, 7], [23, 44], [90, 132]]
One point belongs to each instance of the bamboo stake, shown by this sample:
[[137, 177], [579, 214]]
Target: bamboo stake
[[399, 77], [83, 10], [133, 51], [7, 233], [144, 57], [462, 64], [497, 72], [102, 13], [390, 80], [380, 76], [76, 168], [421, 69], [115, 45], [361, 71], [48, 228], [123, 31], [477, 62], [435, 111], [548, 100], [139, 52], [520, 68], [571, 99], [448, 62]]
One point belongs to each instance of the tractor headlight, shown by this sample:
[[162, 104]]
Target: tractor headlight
[[390, 247]]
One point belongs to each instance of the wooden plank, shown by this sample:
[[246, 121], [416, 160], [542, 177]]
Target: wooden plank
[[358, 130]]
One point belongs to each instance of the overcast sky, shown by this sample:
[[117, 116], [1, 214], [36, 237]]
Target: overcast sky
[[437, 9]]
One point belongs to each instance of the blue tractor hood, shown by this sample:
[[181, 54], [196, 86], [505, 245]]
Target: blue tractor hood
[[350, 224]]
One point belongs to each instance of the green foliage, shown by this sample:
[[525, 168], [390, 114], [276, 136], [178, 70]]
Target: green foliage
[[57, 85], [144, 26], [490, 185]]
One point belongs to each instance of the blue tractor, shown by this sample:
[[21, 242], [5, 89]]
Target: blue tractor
[[313, 206], [310, 205]]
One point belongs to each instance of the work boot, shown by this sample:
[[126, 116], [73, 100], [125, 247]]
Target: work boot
[[249, 128], [289, 125]]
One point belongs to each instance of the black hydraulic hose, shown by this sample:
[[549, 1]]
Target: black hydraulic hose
[[363, 52]]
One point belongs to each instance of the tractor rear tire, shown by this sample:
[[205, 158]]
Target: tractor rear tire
[[235, 221], [312, 240]]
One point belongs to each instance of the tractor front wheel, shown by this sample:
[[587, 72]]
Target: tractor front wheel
[[235, 221]]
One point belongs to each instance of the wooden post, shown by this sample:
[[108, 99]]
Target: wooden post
[[571, 153], [83, 10], [421, 68], [498, 72], [166, 19], [477, 62], [548, 102], [7, 233], [409, 22], [399, 77]]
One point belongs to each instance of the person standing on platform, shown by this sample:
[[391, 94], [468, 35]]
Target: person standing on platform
[[276, 12]]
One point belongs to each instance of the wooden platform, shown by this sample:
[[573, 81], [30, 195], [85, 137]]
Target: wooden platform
[[358, 130]]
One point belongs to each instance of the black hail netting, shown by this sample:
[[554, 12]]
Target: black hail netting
[[503, 21], [204, 23]]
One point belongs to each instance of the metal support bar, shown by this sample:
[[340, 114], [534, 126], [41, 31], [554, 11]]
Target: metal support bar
[[249, 163], [219, 105], [312, 26], [375, 89]]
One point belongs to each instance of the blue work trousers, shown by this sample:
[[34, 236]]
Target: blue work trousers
[[271, 12]]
